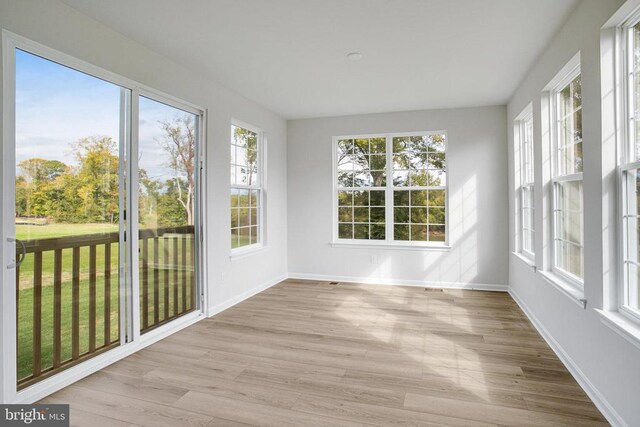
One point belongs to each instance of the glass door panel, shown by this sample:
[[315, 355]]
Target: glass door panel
[[69, 193], [167, 173]]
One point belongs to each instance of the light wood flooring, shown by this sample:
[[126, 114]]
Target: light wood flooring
[[315, 354]]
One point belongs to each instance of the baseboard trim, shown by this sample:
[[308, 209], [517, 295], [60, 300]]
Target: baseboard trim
[[594, 394], [218, 308], [398, 282]]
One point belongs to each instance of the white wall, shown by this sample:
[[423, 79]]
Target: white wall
[[61, 27], [608, 365], [477, 174]]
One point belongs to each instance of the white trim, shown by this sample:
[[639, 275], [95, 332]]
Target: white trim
[[218, 308], [247, 251], [401, 245], [8, 300], [572, 292], [526, 260], [592, 392], [565, 75], [431, 284], [76, 373]]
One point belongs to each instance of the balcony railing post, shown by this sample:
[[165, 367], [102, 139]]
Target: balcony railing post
[[57, 308], [37, 313], [107, 293], [75, 307], [92, 298]]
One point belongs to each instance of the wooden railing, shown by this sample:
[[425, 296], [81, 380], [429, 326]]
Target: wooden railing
[[67, 295], [167, 283]]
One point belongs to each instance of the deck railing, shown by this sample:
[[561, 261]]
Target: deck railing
[[68, 295]]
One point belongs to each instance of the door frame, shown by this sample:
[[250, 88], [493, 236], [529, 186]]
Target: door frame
[[8, 364]]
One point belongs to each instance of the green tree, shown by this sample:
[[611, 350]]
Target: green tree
[[97, 177], [179, 141]]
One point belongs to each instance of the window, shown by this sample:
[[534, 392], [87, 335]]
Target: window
[[524, 129], [391, 189], [567, 201], [630, 176], [246, 187]]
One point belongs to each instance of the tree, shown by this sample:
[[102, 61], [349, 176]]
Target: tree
[[37, 178], [179, 141], [249, 141], [97, 176], [38, 170]]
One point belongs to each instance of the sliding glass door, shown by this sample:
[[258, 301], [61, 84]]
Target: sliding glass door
[[167, 181], [68, 215], [93, 159]]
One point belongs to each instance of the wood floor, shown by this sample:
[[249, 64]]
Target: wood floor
[[312, 353]]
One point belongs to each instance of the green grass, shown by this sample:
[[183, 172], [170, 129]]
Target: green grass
[[30, 232], [26, 292]]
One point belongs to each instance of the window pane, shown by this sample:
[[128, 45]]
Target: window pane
[[345, 231], [569, 227], [361, 214], [401, 232], [419, 161], [377, 232], [401, 198], [632, 233], [569, 144], [422, 210], [419, 232], [244, 143], [527, 212], [67, 128], [362, 162], [167, 162]]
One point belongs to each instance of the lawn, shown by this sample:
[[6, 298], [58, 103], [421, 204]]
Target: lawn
[[166, 273]]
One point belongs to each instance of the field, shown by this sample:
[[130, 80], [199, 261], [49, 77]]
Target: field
[[165, 272]]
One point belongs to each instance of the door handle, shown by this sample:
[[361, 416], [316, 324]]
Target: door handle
[[22, 255]]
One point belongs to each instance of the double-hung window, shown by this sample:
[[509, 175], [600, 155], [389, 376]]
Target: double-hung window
[[246, 187], [629, 159], [391, 189], [524, 129], [566, 183]]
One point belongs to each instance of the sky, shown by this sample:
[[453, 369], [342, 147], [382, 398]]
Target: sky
[[56, 106]]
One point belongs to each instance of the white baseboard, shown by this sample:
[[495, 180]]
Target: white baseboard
[[213, 310], [594, 394], [399, 282]]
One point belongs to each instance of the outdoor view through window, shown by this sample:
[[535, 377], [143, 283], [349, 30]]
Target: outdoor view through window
[[70, 195]]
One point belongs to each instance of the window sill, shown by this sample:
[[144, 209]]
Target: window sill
[[397, 246], [622, 325], [574, 294], [248, 251], [526, 260]]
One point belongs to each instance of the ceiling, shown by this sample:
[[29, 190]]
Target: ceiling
[[291, 55]]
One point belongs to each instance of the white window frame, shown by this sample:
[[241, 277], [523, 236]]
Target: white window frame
[[525, 145], [626, 163], [564, 79], [254, 247], [389, 241]]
